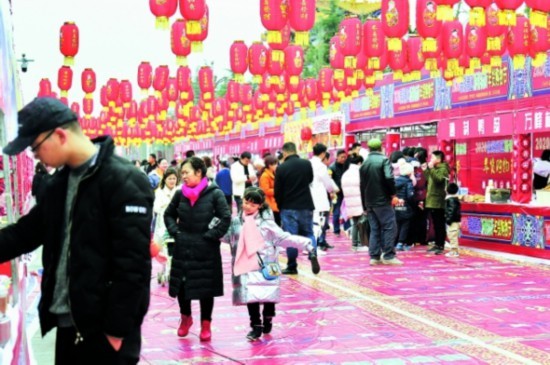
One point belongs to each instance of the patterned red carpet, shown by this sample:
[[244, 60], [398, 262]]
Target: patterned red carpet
[[432, 310]]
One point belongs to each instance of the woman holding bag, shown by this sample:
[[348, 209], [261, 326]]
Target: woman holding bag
[[196, 271]]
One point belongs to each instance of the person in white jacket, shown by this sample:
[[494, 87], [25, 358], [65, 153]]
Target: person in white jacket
[[351, 187], [321, 186], [243, 175]]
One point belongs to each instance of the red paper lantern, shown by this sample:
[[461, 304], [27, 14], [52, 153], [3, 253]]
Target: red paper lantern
[[197, 38], [336, 58], [507, 15], [69, 42], [395, 21], [103, 98], [112, 91], [75, 107], [152, 107], [518, 41], [427, 24], [445, 9], [232, 94], [476, 44], [206, 83], [275, 64], [539, 12], [335, 127], [325, 84], [183, 80], [163, 10], [398, 60], [350, 40], [180, 44], [87, 106], [453, 44], [238, 57], [145, 76], [193, 11], [415, 57], [306, 134], [301, 17], [245, 96], [160, 79], [44, 88], [374, 43], [257, 60], [294, 63], [477, 12], [539, 45], [311, 92], [284, 42], [125, 93], [64, 80], [274, 16], [88, 82]]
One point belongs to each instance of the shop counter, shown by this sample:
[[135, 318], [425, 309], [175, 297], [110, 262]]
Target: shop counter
[[508, 227]]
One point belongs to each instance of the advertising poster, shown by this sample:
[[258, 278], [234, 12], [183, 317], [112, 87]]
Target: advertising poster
[[325, 130], [481, 87], [366, 107], [293, 133], [541, 78], [414, 97]]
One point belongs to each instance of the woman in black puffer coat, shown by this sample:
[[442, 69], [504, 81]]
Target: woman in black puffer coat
[[197, 217]]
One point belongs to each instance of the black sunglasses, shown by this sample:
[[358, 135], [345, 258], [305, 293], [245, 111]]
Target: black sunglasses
[[35, 148]]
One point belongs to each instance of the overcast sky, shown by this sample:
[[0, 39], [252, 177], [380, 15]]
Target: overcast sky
[[116, 35]]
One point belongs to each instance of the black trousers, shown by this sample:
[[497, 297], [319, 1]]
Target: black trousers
[[277, 218], [229, 199], [418, 227], [207, 306], [95, 349], [254, 312], [438, 219]]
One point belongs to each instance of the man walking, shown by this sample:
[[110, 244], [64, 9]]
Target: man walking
[[243, 175], [377, 191], [293, 197], [336, 170], [93, 221], [437, 173]]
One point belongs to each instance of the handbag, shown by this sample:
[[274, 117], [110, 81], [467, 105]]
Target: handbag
[[270, 270]]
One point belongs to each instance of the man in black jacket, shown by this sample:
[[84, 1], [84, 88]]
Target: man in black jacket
[[94, 224], [377, 193], [336, 171], [293, 196]]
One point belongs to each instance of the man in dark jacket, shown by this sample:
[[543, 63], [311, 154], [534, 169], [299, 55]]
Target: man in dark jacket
[[336, 171], [94, 224], [377, 192], [293, 197]]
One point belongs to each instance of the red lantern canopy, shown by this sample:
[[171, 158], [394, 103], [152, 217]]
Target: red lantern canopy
[[301, 17], [306, 134], [398, 60], [64, 80], [374, 43], [160, 79], [415, 57], [180, 44], [238, 57], [88, 82], [294, 56], [477, 12], [87, 107], [163, 10], [69, 42], [507, 15], [427, 24], [274, 16], [445, 9], [193, 11], [206, 84], [257, 60], [453, 43], [518, 41], [476, 44], [395, 21], [44, 88], [350, 40], [539, 12], [197, 39], [539, 45], [125, 93], [145, 78]]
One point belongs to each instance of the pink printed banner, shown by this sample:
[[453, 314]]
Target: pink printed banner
[[476, 127], [415, 96], [530, 121], [482, 86]]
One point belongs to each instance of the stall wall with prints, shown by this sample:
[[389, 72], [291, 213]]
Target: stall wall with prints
[[519, 228], [482, 159]]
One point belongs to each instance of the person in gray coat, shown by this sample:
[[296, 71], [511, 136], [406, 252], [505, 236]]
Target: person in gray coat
[[254, 238]]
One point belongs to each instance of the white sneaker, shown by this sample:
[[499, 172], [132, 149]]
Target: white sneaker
[[321, 253], [362, 248], [394, 261], [374, 262], [453, 254]]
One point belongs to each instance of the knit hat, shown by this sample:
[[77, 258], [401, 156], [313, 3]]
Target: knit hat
[[406, 169], [375, 144]]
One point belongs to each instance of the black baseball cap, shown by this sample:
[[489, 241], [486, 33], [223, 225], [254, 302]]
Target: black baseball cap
[[38, 116]]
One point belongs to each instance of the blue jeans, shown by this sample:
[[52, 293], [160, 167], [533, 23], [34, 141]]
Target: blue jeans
[[383, 229], [298, 222], [336, 215]]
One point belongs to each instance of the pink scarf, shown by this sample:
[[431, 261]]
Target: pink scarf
[[250, 242], [193, 193]]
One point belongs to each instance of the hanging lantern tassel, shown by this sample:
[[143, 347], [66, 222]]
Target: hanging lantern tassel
[[339, 74], [519, 62], [538, 19], [162, 23], [477, 17], [256, 79], [181, 61], [193, 27], [394, 44], [239, 78], [294, 80], [68, 61], [350, 62], [301, 38], [445, 13], [312, 105], [397, 74], [431, 64], [196, 47], [507, 17], [475, 63], [494, 44], [374, 63], [540, 59], [496, 61], [416, 75], [429, 45], [274, 36]]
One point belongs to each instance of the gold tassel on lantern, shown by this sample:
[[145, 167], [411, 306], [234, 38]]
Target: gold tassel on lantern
[[301, 38], [494, 44], [397, 74], [294, 80], [496, 61], [339, 74], [162, 23], [239, 78], [181, 60], [196, 47], [374, 63], [475, 63], [444, 13], [350, 62], [519, 61], [538, 19], [274, 36], [477, 17], [539, 60], [429, 45], [394, 44], [507, 17], [431, 64], [193, 27]]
